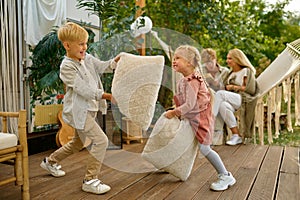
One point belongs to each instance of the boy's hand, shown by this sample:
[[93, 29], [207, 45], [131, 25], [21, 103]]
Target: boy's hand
[[117, 58], [109, 97]]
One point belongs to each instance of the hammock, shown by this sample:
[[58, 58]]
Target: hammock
[[285, 65], [275, 84]]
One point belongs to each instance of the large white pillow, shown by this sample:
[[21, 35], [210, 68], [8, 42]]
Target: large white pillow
[[135, 86], [172, 147]]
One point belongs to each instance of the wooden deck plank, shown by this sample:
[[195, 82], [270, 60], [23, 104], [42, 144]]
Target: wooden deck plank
[[239, 155], [290, 160], [200, 178], [258, 170], [265, 184], [168, 184], [246, 174], [288, 184]]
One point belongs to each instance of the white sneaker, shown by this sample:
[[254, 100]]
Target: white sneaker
[[223, 182], [234, 140], [95, 186], [54, 170]]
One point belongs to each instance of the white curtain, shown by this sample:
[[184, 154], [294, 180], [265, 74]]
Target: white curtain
[[40, 16], [9, 66]]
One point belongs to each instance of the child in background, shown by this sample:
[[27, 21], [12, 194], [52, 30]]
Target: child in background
[[192, 101], [214, 75], [84, 96]]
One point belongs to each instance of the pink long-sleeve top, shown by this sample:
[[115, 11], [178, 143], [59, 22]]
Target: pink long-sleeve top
[[193, 103]]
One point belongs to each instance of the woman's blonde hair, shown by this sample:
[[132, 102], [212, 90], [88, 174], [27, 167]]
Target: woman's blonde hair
[[241, 59], [72, 32]]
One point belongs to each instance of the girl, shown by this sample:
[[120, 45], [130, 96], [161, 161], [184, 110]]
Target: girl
[[193, 103]]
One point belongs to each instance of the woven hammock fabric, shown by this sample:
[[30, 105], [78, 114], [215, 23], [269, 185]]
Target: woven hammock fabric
[[286, 64], [135, 87]]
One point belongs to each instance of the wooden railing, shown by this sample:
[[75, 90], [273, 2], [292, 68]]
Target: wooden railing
[[278, 110]]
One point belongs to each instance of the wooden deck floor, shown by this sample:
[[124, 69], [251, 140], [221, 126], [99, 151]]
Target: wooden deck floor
[[262, 172]]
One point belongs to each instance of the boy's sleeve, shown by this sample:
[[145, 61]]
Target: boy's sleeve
[[72, 79], [101, 66], [68, 74]]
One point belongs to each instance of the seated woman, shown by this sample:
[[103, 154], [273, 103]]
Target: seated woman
[[215, 75], [240, 88]]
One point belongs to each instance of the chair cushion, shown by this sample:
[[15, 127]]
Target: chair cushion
[[8, 140]]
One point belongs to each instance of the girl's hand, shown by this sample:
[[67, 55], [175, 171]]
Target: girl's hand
[[170, 114], [113, 100]]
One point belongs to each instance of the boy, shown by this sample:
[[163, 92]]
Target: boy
[[84, 96]]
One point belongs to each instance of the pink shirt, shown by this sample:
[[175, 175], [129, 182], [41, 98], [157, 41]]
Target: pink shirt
[[193, 102]]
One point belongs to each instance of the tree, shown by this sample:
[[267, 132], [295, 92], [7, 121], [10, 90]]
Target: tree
[[259, 29]]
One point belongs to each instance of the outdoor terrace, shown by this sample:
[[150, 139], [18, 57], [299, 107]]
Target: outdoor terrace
[[262, 172]]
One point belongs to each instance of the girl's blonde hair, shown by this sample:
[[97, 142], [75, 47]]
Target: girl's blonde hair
[[72, 32], [191, 54], [241, 59]]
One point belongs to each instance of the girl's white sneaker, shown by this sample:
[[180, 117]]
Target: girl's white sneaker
[[224, 182]]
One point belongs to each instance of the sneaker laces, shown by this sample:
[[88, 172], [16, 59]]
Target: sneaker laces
[[221, 177], [235, 136], [56, 166]]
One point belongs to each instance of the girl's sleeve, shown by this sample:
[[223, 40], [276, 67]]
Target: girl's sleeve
[[190, 96]]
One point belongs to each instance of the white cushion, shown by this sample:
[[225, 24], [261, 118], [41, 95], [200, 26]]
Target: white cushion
[[135, 86], [172, 147], [8, 140]]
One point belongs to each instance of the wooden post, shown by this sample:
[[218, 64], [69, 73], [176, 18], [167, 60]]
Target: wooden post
[[139, 12]]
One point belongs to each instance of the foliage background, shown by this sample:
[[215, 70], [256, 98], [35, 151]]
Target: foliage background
[[259, 29]]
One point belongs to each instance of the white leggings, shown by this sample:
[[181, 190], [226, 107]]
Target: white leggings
[[214, 158], [225, 104]]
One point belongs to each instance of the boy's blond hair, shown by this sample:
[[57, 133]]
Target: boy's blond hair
[[72, 32]]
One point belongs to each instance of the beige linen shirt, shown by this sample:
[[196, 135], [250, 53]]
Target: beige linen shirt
[[82, 94]]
